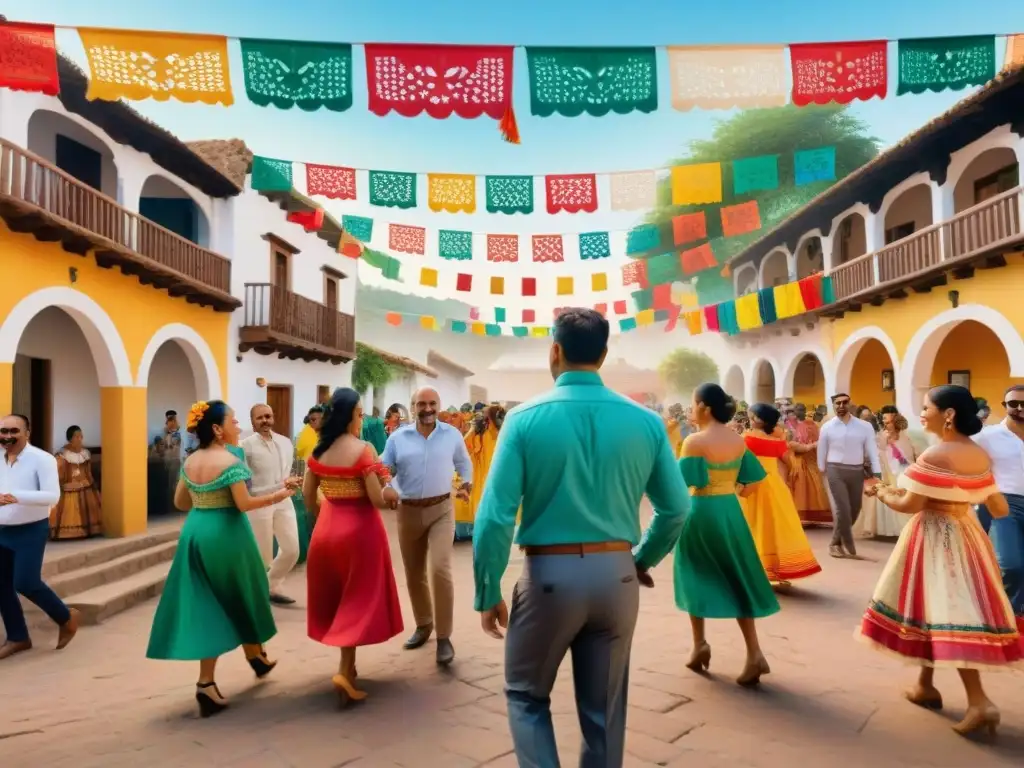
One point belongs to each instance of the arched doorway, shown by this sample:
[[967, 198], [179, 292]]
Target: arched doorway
[[973, 345], [850, 240], [872, 381], [733, 383], [908, 213], [774, 269], [991, 173], [76, 150], [763, 389], [177, 369], [170, 206], [809, 257], [809, 381]]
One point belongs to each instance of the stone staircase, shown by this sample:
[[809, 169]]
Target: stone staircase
[[106, 576]]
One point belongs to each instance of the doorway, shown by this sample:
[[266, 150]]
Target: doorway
[[279, 398], [33, 397]]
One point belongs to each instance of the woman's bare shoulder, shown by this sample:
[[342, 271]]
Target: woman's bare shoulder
[[962, 457]]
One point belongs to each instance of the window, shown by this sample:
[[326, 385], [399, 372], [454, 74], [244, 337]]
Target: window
[[996, 183], [899, 232], [331, 292], [80, 161]]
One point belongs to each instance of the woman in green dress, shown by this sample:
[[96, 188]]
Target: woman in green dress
[[718, 574], [216, 597]]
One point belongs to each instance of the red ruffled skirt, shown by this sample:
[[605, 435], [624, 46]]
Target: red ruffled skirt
[[350, 582]]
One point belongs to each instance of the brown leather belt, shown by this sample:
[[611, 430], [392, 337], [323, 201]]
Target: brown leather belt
[[430, 502], [593, 548]]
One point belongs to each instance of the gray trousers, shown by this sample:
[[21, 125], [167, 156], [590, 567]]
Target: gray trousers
[[587, 605], [846, 483]]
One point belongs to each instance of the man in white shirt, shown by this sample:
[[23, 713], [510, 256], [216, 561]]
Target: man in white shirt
[[269, 457], [422, 457], [845, 446], [1004, 443], [29, 486]]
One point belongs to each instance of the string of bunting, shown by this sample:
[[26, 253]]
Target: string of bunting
[[695, 184], [471, 81]]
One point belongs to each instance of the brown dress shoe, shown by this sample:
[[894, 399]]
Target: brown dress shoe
[[9, 649], [68, 630]]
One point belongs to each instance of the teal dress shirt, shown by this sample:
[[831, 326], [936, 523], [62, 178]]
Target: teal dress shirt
[[579, 459]]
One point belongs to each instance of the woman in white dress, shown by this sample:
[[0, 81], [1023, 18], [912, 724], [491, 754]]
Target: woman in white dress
[[897, 452]]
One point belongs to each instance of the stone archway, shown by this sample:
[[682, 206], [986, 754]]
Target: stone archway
[[860, 365], [762, 381], [733, 382]]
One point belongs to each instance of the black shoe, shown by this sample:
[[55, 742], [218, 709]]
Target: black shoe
[[209, 699], [445, 651], [278, 599], [261, 665], [419, 638]]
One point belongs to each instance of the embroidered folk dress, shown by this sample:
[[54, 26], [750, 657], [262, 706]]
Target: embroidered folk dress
[[771, 514], [350, 581], [718, 574], [217, 596], [940, 600]]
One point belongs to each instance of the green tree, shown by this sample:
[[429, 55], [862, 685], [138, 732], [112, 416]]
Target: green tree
[[683, 370], [370, 370], [752, 133]]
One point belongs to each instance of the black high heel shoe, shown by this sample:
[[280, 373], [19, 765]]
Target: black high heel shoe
[[261, 665], [210, 700]]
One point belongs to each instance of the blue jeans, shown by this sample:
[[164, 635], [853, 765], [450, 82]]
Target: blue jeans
[[1007, 534], [21, 565]]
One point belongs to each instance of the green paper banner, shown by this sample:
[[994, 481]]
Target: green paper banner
[[458, 326], [492, 330], [509, 194], [627, 324], [393, 189], [307, 75], [455, 245], [360, 227], [595, 81], [646, 237], [755, 174], [499, 314], [595, 245], [271, 175], [520, 331], [938, 63]]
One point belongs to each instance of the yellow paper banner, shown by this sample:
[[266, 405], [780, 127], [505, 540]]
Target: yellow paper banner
[[539, 330], [428, 277], [428, 323], [693, 322], [451, 192], [788, 301], [723, 77], [127, 64], [697, 184], [498, 286], [645, 317], [599, 281], [480, 329], [748, 313], [565, 286]]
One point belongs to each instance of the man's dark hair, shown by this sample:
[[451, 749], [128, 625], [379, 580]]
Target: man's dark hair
[[837, 395], [582, 334], [889, 409], [24, 420]]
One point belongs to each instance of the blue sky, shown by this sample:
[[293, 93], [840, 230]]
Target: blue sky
[[550, 145]]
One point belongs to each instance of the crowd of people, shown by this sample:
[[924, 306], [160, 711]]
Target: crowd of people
[[564, 475]]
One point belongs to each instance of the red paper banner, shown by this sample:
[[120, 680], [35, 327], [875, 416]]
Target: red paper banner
[[711, 317], [464, 282], [688, 227], [311, 221], [698, 259], [602, 309], [635, 273], [661, 296], [503, 248], [571, 193], [28, 58], [673, 319], [620, 307], [529, 316], [839, 72], [441, 80], [331, 181], [547, 248], [406, 239], [740, 219], [393, 318], [529, 286]]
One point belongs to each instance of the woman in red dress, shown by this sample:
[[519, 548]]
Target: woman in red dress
[[352, 595]]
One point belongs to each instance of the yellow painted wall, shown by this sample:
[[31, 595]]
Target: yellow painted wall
[[866, 376], [137, 311], [809, 382], [973, 347]]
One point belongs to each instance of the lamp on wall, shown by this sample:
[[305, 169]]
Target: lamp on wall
[[954, 298], [261, 382]]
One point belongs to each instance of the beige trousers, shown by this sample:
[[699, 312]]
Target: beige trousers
[[426, 535], [277, 521]]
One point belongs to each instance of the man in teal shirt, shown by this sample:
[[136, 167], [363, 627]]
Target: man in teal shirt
[[579, 459]]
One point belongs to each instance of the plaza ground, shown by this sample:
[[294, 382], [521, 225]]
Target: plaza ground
[[829, 700]]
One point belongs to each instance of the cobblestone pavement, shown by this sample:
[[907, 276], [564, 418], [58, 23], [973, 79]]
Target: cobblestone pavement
[[829, 700]]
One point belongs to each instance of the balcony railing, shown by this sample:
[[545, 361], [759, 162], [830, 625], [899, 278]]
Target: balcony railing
[[979, 231], [278, 320], [38, 197]]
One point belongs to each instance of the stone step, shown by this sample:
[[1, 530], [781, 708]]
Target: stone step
[[93, 552], [100, 603], [83, 579]]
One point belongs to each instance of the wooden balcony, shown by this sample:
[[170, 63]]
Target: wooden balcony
[[296, 328], [38, 198], [974, 239]]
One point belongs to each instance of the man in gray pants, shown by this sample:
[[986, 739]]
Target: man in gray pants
[[578, 459], [845, 446]]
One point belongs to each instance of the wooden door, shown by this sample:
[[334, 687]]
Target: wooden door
[[280, 400], [331, 294]]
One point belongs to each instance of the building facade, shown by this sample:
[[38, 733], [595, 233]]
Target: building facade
[[925, 248]]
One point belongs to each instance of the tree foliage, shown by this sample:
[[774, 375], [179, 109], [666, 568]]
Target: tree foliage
[[370, 370], [683, 370], [752, 133]]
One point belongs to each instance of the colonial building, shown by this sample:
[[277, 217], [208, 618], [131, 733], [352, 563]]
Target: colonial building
[[924, 247]]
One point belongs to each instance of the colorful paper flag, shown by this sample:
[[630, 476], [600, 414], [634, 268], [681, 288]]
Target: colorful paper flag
[[627, 324], [492, 329], [520, 331], [646, 237], [499, 314], [687, 227], [28, 58], [474, 313], [480, 329], [509, 194], [407, 239], [645, 317], [497, 286], [740, 219], [503, 248], [360, 227], [697, 184], [393, 318], [529, 316], [754, 174], [270, 174], [393, 189], [458, 326], [464, 283], [428, 277], [595, 245], [596, 81], [839, 72], [812, 165], [529, 286], [633, 190], [571, 193], [289, 73], [451, 192], [565, 286], [330, 181], [539, 330], [620, 307], [634, 273], [724, 77], [697, 259], [428, 323], [455, 245], [547, 248], [940, 63], [599, 281]]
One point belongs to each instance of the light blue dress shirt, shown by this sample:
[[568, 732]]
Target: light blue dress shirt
[[580, 458], [423, 467]]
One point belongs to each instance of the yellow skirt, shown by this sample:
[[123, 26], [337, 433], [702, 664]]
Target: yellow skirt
[[781, 542]]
